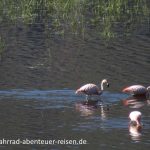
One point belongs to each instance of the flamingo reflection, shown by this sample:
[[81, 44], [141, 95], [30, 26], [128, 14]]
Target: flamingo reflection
[[136, 101], [86, 108], [90, 107], [135, 132]]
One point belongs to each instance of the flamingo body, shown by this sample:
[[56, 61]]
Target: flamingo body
[[135, 125], [89, 89], [92, 89], [135, 118], [135, 90]]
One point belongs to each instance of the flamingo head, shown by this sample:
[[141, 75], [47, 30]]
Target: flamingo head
[[135, 118], [148, 92], [105, 81], [148, 89]]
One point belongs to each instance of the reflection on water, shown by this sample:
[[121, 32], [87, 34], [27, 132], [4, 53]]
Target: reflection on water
[[84, 109], [90, 107], [136, 101], [135, 133], [104, 112], [60, 114]]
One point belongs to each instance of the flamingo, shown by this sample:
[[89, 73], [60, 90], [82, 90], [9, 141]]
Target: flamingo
[[137, 90], [135, 126], [92, 89], [135, 118]]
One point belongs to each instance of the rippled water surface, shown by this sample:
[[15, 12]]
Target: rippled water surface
[[46, 53], [60, 114]]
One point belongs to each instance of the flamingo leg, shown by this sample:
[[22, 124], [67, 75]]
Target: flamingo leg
[[88, 97]]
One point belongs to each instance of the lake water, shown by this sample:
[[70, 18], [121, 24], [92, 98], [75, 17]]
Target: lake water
[[40, 71], [60, 114]]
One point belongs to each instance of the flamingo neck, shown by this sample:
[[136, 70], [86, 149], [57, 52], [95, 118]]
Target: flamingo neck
[[136, 123], [148, 88], [102, 85]]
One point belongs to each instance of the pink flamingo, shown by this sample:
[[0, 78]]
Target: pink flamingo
[[137, 90], [135, 118], [92, 89], [135, 125]]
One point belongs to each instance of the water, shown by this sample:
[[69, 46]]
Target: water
[[40, 69], [60, 114]]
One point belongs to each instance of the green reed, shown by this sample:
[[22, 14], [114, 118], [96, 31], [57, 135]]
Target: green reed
[[78, 16]]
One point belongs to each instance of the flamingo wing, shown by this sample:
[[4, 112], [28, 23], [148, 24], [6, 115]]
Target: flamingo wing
[[89, 89], [135, 90]]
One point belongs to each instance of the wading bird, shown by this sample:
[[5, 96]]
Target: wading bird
[[135, 118], [92, 89], [137, 90], [135, 126]]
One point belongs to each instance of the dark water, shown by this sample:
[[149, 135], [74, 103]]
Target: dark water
[[39, 72], [33, 60]]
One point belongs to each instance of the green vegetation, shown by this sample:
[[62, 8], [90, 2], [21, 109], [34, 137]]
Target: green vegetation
[[78, 16]]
